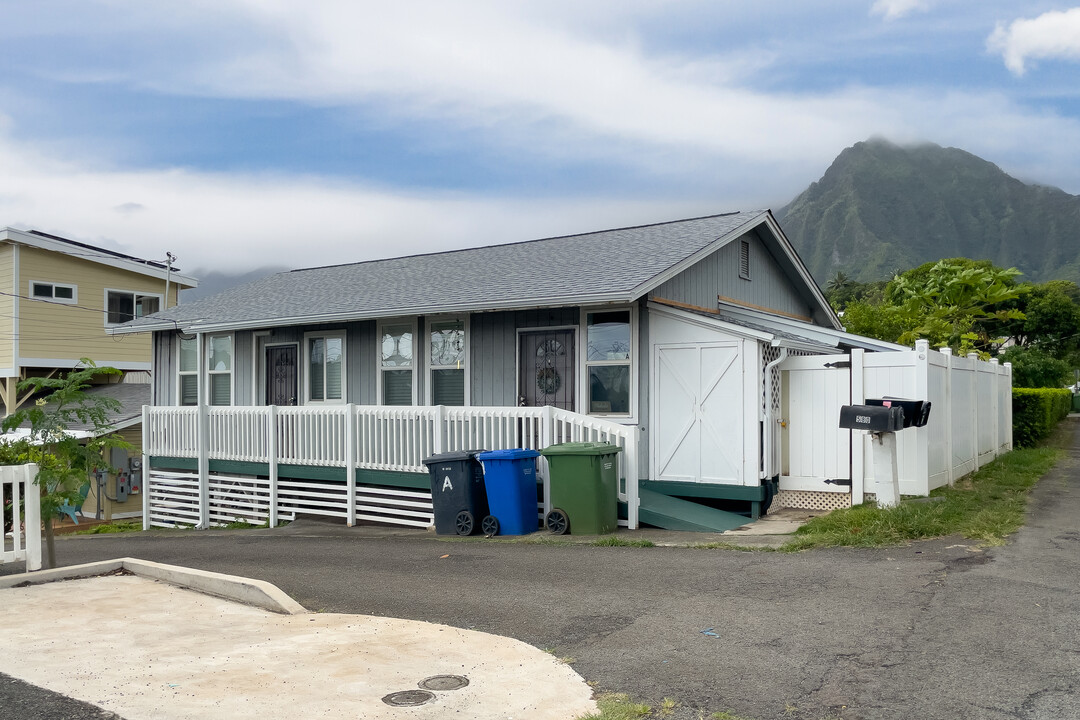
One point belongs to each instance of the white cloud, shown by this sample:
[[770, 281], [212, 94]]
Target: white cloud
[[1051, 35], [896, 9]]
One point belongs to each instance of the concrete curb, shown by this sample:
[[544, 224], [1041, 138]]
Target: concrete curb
[[231, 587]]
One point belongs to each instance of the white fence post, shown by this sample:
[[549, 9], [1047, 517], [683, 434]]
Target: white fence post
[[272, 461], [145, 469], [996, 402], [204, 466], [857, 444], [438, 433], [32, 521], [1008, 406], [922, 391], [547, 435], [350, 463], [947, 411], [974, 358]]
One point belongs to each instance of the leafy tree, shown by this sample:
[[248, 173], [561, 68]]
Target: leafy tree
[[64, 461], [1051, 319], [1035, 368]]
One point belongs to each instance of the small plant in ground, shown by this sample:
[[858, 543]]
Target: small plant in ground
[[667, 706], [727, 715], [121, 526], [616, 541], [617, 706]]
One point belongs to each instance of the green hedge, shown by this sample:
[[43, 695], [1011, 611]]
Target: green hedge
[[1036, 411]]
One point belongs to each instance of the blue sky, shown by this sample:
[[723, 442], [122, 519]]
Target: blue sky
[[245, 133]]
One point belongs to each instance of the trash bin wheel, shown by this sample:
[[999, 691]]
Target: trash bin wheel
[[490, 525], [557, 522], [464, 523]]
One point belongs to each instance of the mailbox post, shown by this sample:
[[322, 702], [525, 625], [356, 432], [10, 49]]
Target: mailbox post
[[882, 419]]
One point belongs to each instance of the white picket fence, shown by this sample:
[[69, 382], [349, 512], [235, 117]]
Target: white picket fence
[[21, 497], [344, 436]]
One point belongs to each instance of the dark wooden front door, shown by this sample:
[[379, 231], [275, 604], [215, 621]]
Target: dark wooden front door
[[546, 369], [281, 375]]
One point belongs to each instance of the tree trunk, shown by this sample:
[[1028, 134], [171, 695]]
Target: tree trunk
[[50, 544]]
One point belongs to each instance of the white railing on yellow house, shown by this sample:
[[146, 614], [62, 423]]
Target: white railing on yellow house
[[361, 437]]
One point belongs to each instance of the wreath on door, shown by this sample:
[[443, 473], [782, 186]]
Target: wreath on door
[[548, 380]]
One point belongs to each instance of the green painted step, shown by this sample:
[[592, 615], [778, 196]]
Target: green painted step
[[672, 513]]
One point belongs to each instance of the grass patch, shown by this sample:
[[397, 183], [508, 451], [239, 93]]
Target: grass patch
[[988, 506], [617, 706], [616, 541], [121, 526]]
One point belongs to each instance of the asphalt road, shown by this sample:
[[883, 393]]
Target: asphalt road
[[935, 630]]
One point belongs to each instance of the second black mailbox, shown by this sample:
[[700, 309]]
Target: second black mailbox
[[872, 418]]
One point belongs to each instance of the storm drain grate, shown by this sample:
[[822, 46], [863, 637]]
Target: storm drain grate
[[444, 683], [407, 698]]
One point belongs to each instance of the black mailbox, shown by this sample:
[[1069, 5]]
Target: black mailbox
[[916, 412], [872, 418]]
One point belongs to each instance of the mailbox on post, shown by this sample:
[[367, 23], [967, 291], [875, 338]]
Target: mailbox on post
[[916, 412], [875, 419], [882, 418]]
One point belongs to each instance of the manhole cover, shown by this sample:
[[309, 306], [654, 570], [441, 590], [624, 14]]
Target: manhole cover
[[406, 698], [444, 682]]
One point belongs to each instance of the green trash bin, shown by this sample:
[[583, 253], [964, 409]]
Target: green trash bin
[[584, 479], [1076, 402]]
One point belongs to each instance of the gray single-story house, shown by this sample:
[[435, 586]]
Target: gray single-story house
[[663, 338]]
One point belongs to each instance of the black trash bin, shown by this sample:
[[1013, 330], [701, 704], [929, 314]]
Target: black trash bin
[[457, 492]]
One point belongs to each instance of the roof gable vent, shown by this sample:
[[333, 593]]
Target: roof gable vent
[[744, 259]]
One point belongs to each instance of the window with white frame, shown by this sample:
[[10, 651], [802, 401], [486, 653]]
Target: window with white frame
[[608, 361], [446, 361], [122, 305], [396, 363], [325, 368], [187, 391], [55, 292], [219, 367]]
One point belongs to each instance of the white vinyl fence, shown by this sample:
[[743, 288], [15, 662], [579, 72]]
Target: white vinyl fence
[[970, 418], [345, 436], [21, 500]]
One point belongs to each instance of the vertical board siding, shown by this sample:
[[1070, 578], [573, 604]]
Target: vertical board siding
[[164, 373], [718, 274], [7, 305], [493, 350], [243, 342]]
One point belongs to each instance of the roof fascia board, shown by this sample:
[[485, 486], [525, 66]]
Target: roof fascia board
[[816, 332], [800, 268], [711, 322], [43, 243], [621, 298], [659, 279]]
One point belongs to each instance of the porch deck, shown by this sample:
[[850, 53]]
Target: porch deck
[[207, 466]]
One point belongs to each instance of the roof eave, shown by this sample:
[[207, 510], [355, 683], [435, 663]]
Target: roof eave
[[202, 326], [804, 274]]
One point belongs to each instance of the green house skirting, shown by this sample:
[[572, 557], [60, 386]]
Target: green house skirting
[[753, 493], [386, 478]]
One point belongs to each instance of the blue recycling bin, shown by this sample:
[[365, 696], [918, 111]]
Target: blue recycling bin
[[510, 479]]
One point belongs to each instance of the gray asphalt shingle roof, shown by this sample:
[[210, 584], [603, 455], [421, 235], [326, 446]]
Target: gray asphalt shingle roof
[[568, 270]]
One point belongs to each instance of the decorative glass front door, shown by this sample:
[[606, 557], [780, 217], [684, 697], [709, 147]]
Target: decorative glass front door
[[546, 369], [281, 376]]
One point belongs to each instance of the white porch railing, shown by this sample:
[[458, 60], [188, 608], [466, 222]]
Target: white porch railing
[[21, 499], [362, 437]]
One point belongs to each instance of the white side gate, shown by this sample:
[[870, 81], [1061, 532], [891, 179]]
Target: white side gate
[[21, 499], [815, 453], [697, 413]]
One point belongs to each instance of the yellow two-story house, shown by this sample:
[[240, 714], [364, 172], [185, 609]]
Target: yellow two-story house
[[57, 298]]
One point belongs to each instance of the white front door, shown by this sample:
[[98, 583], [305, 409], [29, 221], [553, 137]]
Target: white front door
[[697, 413], [816, 453]]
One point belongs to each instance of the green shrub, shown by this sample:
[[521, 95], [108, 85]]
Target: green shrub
[[1036, 411]]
